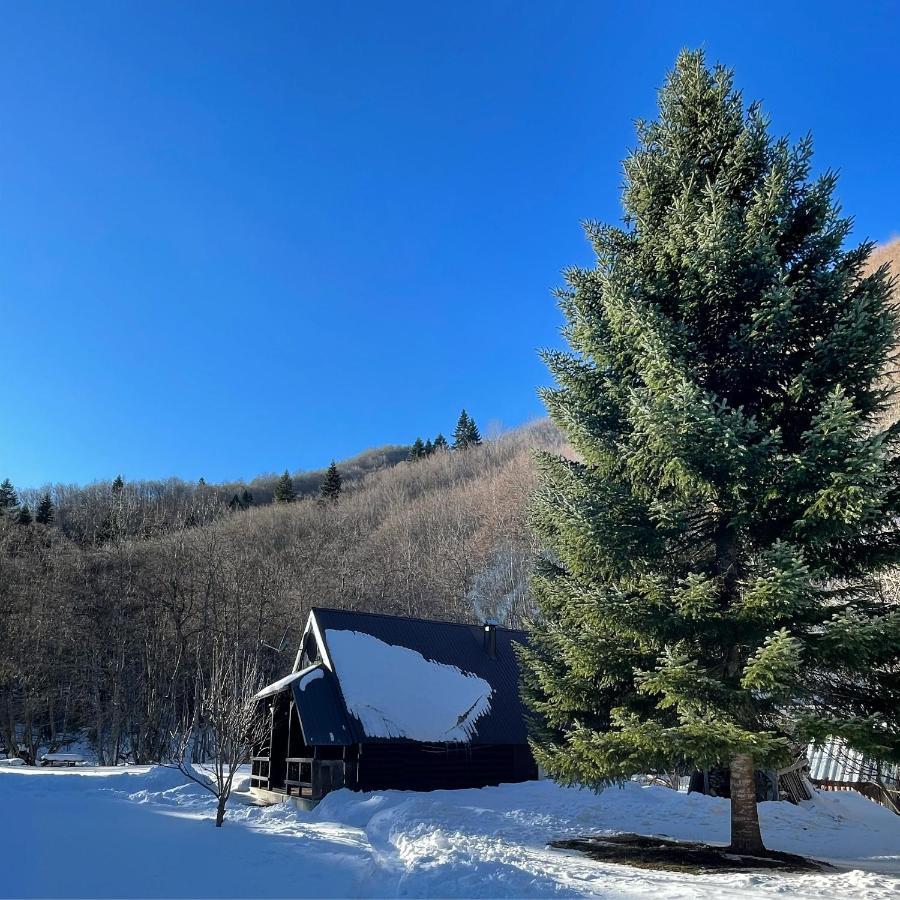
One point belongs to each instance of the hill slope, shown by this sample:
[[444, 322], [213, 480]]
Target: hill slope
[[113, 635], [109, 620]]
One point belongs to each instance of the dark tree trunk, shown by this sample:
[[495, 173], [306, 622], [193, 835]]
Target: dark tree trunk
[[745, 834], [220, 811]]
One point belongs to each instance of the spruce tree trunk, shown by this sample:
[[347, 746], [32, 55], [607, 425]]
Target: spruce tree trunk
[[745, 833]]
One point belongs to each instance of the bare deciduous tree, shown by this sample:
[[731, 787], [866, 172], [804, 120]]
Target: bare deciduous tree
[[230, 717], [108, 618]]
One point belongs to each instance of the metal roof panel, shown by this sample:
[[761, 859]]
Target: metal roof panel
[[452, 644]]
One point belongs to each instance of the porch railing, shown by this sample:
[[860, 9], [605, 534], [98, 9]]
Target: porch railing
[[313, 778], [259, 772]]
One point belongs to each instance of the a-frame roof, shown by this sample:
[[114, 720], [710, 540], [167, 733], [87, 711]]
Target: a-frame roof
[[392, 676]]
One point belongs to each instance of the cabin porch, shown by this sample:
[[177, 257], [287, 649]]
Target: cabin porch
[[285, 766]]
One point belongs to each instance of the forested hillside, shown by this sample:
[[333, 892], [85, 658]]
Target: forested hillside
[[110, 601], [96, 512], [107, 625]]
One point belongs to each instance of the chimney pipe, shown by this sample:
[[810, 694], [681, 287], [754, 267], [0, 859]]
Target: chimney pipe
[[490, 638]]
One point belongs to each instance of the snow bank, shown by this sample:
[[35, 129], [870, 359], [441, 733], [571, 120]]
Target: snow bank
[[149, 833], [397, 692], [492, 842]]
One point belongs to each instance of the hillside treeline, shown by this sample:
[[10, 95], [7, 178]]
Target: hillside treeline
[[111, 636], [96, 512]]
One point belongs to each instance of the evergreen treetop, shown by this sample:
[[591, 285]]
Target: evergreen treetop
[[710, 592], [440, 443], [23, 517], [466, 433], [118, 484], [416, 450], [284, 489], [8, 497], [45, 513], [331, 486]]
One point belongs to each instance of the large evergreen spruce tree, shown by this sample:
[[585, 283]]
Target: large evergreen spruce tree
[[710, 592]]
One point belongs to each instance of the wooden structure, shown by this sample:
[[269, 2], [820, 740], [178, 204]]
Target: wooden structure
[[835, 767], [363, 709], [65, 760], [791, 783]]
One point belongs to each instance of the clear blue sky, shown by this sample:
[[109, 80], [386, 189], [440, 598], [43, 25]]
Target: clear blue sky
[[239, 237]]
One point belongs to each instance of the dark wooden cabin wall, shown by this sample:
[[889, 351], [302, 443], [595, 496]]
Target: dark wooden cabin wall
[[417, 767]]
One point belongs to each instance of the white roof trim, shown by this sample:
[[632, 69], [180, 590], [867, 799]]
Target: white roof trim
[[323, 651], [282, 683]]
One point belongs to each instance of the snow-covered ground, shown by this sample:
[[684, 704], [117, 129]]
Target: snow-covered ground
[[143, 832]]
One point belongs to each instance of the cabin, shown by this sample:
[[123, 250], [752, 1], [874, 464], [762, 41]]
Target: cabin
[[377, 702]]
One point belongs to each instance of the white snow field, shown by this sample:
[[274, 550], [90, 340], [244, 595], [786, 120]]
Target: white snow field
[[143, 832]]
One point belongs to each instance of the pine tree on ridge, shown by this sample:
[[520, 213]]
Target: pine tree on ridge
[[466, 433], [284, 489], [9, 499], [332, 485], [45, 513]]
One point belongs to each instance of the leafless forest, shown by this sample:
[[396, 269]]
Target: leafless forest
[[108, 615]]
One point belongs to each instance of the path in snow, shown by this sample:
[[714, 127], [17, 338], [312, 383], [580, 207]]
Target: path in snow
[[146, 833]]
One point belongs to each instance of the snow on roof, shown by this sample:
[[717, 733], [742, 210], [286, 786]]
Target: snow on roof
[[282, 683], [396, 692], [313, 675]]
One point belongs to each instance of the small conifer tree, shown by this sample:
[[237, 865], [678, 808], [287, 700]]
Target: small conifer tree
[[416, 450], [24, 515], [118, 484], [466, 433], [710, 593], [331, 486], [9, 500], [45, 512], [474, 438], [284, 489], [440, 443]]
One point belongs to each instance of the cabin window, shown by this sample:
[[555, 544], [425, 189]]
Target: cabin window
[[311, 655]]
